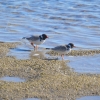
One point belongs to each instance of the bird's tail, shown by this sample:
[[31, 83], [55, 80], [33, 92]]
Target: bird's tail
[[24, 38], [48, 48]]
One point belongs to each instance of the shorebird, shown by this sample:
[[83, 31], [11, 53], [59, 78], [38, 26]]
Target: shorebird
[[36, 39], [63, 49]]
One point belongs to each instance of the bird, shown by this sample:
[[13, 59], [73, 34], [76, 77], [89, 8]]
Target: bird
[[36, 39], [63, 49]]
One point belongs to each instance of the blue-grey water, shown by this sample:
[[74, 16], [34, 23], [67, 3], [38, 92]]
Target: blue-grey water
[[85, 64], [12, 79], [64, 21], [32, 99], [90, 98]]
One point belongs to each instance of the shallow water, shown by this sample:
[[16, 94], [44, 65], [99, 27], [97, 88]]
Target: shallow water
[[85, 64], [32, 99], [89, 98], [26, 51], [63, 21], [12, 79]]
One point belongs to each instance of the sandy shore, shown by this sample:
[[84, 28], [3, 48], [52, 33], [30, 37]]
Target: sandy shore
[[45, 79]]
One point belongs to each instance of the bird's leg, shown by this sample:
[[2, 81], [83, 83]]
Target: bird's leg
[[36, 47], [33, 45], [62, 56]]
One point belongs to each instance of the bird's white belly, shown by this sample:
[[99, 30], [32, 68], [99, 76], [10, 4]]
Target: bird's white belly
[[38, 42]]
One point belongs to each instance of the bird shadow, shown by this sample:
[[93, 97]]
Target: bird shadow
[[18, 49], [50, 59]]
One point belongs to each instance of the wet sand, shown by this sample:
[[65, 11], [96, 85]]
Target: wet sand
[[45, 79]]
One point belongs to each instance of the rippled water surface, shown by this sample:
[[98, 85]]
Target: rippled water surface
[[64, 21]]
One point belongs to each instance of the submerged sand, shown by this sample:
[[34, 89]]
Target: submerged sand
[[45, 79]]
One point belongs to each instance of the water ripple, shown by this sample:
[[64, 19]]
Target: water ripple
[[69, 20]]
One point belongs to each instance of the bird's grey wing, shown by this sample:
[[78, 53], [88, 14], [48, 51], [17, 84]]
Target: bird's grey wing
[[59, 48], [33, 38]]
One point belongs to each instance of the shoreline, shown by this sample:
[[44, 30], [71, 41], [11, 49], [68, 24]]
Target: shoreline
[[45, 79]]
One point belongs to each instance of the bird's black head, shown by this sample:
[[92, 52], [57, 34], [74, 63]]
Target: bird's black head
[[44, 36], [71, 45]]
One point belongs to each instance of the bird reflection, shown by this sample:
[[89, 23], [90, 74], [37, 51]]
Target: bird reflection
[[37, 54]]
